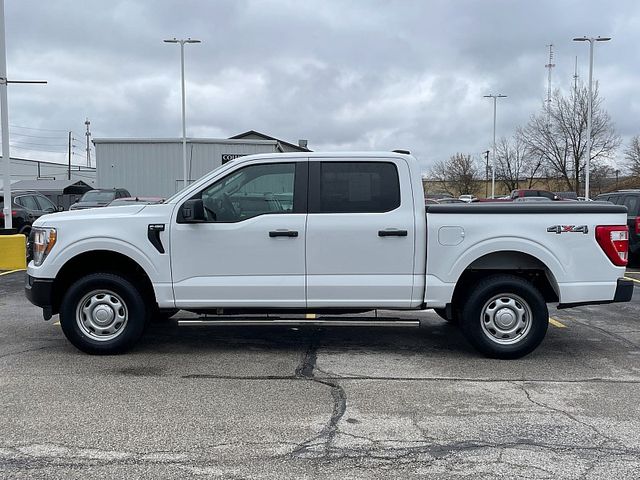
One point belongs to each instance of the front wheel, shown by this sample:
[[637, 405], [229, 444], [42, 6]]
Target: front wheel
[[103, 313], [505, 317]]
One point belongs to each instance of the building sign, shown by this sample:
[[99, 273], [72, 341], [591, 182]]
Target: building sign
[[227, 157]]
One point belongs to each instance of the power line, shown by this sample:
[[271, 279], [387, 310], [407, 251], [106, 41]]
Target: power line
[[37, 149], [40, 144], [41, 129], [33, 136]]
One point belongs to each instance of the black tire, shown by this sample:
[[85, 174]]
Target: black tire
[[518, 300], [126, 301]]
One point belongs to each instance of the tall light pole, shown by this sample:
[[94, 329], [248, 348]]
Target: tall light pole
[[4, 122], [184, 125], [493, 164], [587, 167]]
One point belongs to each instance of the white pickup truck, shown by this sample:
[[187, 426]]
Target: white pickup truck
[[328, 234]]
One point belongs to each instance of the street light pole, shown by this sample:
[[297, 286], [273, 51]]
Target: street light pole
[[4, 121], [493, 164], [4, 124], [185, 169], [589, 107]]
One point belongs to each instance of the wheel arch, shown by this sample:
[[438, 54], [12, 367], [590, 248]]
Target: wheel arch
[[514, 262], [100, 261]]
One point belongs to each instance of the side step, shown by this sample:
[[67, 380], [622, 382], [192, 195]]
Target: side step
[[298, 322]]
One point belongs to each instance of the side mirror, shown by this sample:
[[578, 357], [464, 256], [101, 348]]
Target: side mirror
[[60, 208], [193, 211]]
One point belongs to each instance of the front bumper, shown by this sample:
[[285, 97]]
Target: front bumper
[[624, 292], [39, 291]]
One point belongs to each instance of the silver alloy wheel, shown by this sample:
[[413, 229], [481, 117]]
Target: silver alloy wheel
[[506, 319], [102, 315]]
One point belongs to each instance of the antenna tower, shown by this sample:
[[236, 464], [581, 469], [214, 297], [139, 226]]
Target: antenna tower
[[549, 66]]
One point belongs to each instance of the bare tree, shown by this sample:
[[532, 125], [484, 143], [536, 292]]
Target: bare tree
[[456, 176], [558, 135], [632, 155], [601, 177], [514, 163]]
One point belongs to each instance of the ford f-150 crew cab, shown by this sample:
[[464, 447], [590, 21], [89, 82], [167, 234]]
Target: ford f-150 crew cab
[[325, 233]]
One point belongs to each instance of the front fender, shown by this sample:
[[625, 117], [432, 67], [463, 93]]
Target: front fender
[[58, 258]]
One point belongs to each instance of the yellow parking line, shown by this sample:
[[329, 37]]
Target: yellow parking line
[[633, 279], [556, 323], [13, 271]]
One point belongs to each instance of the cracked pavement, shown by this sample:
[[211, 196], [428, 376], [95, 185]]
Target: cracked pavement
[[343, 403]]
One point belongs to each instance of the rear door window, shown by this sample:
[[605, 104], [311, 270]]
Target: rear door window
[[356, 187], [28, 202]]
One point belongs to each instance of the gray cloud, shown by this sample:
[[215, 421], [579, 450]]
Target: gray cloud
[[345, 75]]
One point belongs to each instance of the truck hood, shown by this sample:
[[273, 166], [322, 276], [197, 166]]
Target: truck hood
[[88, 215]]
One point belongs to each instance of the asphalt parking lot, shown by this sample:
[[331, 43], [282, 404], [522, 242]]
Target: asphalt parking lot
[[347, 403]]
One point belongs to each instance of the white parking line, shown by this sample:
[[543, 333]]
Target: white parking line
[[12, 271]]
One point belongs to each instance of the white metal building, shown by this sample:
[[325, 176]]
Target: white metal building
[[25, 169], [153, 167]]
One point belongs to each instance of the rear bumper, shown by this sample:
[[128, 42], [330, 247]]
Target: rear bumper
[[624, 292], [39, 291]]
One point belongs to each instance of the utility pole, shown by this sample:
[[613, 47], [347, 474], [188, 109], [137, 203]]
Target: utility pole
[[493, 165], [69, 170], [486, 174], [4, 122], [575, 77], [88, 135]]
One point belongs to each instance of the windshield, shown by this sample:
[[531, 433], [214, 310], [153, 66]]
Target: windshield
[[98, 196]]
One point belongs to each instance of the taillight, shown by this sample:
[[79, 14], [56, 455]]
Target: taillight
[[13, 213], [637, 225], [614, 241]]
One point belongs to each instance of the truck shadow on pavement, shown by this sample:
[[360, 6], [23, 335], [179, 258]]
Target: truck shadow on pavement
[[434, 335]]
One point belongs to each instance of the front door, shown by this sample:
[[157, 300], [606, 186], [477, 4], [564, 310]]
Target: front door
[[251, 250]]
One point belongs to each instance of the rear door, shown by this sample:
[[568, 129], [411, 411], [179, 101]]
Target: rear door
[[29, 203], [360, 233]]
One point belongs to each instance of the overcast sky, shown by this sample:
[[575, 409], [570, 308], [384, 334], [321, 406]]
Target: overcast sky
[[346, 75]]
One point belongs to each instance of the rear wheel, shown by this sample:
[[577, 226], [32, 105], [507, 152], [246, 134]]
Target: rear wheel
[[505, 317], [103, 313]]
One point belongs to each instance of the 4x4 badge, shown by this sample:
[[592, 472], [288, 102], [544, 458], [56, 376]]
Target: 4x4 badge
[[568, 228]]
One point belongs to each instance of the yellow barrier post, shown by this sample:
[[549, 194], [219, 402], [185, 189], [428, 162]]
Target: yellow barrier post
[[13, 252]]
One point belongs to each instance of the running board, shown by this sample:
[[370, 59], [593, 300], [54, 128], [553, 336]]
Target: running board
[[316, 322]]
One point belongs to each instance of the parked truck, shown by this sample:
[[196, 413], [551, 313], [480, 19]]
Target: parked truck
[[354, 235]]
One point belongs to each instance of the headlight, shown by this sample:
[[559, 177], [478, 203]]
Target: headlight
[[44, 239]]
